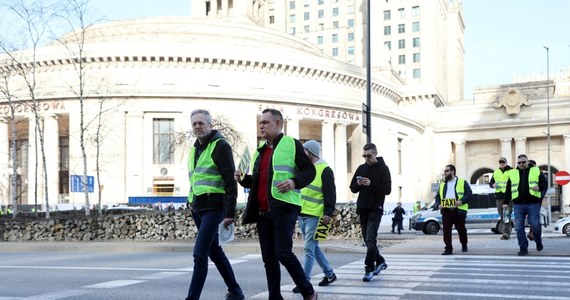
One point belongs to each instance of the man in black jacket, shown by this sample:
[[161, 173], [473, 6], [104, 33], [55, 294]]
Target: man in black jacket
[[372, 182], [280, 169]]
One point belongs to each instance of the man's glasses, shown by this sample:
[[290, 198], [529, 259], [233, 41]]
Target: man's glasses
[[502, 161], [367, 155], [446, 171], [522, 162]]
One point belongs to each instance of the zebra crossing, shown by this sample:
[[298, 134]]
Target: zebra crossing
[[450, 277]]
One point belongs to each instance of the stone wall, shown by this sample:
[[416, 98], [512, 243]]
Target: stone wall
[[139, 226]]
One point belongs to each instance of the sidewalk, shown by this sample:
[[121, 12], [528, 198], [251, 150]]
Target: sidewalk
[[409, 242]]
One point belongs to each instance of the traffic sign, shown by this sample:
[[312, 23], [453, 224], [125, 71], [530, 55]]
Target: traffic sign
[[562, 177], [77, 185]]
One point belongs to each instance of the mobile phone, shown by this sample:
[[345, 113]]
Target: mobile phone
[[358, 177]]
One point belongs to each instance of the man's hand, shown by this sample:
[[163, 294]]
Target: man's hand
[[458, 202], [326, 220], [238, 175], [285, 186], [228, 222], [535, 188]]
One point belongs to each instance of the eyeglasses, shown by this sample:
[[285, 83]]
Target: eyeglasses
[[522, 162], [446, 171], [502, 161], [367, 155]]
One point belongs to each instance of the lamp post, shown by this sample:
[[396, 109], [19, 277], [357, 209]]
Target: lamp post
[[548, 192], [368, 77]]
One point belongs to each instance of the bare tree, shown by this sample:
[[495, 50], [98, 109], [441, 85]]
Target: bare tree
[[74, 16], [33, 17], [6, 74], [184, 140]]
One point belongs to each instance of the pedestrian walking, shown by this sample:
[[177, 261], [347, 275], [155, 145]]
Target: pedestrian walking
[[372, 182], [398, 218], [499, 183], [212, 198], [319, 199], [525, 186], [280, 169], [452, 199]]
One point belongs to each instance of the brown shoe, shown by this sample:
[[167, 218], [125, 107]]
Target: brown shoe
[[530, 236], [504, 237], [314, 296]]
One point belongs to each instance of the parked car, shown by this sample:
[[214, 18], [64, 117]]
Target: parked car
[[482, 213], [562, 226]]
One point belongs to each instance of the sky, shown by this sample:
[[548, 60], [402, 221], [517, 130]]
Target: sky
[[504, 39]]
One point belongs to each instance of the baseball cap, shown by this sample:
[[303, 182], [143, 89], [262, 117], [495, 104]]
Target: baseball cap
[[313, 147]]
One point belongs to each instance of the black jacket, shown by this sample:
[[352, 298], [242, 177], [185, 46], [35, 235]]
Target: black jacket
[[223, 158], [372, 197], [305, 175]]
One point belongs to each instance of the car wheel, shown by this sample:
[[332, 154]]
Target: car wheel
[[566, 229], [431, 228], [499, 228]]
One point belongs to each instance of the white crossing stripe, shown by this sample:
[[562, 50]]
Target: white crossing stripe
[[113, 284], [462, 276]]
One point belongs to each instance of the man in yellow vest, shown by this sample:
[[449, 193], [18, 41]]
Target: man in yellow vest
[[212, 198], [319, 199], [280, 168], [452, 199], [499, 183], [525, 186]]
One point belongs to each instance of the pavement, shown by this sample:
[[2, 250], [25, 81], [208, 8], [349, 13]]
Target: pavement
[[409, 242]]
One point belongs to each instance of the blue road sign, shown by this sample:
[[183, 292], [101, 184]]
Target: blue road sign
[[77, 185]]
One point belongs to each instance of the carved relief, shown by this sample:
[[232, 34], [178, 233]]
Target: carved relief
[[512, 101]]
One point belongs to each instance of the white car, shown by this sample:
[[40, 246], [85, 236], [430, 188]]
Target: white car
[[562, 226]]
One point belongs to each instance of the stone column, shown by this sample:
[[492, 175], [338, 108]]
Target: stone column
[[520, 148], [51, 146], [327, 145], [134, 150], [5, 171], [565, 201], [340, 163], [506, 150], [213, 9], [30, 186], [293, 127], [460, 159]]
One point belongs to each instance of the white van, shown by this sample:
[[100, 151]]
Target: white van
[[482, 213]]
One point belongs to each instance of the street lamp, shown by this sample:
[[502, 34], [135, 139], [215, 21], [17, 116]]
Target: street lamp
[[548, 194]]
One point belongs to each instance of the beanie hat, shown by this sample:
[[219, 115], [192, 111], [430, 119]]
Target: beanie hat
[[313, 147]]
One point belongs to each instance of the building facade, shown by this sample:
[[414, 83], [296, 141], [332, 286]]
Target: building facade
[[144, 77]]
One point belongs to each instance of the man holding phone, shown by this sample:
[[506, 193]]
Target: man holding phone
[[372, 182]]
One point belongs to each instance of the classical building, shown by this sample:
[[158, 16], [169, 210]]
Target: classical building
[[143, 77]]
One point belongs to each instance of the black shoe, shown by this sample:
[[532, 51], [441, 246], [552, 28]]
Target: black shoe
[[523, 252], [539, 246], [296, 290], [464, 249], [392, 231], [326, 280], [230, 296], [447, 252]]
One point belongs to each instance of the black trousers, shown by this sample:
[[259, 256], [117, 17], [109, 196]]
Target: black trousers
[[455, 217]]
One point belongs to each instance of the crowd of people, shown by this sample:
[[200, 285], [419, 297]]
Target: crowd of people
[[290, 183]]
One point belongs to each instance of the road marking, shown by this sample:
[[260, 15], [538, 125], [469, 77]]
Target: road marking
[[161, 275], [50, 296], [113, 284]]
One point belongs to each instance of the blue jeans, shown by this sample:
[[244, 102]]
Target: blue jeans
[[532, 211], [308, 226], [275, 229], [207, 245], [369, 223]]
